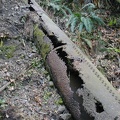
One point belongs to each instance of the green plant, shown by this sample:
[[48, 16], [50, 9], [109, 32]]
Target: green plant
[[86, 18], [2, 103], [7, 51], [111, 49], [35, 63], [59, 101], [58, 6], [47, 95], [112, 22], [1, 43]]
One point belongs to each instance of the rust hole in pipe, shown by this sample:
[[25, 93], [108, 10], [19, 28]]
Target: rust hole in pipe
[[99, 107]]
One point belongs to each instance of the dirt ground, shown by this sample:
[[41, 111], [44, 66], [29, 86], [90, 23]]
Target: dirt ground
[[26, 90]]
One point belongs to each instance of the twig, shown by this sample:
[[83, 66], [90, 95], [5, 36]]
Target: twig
[[4, 86]]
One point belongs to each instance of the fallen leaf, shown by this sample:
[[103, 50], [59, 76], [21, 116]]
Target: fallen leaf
[[38, 100]]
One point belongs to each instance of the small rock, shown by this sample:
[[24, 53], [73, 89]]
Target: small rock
[[16, 8], [61, 109], [5, 70], [48, 77], [18, 62], [7, 74], [11, 88], [65, 116], [31, 55], [6, 63], [51, 84]]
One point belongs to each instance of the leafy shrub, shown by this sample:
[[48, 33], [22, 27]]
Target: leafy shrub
[[112, 22], [2, 103], [116, 50], [57, 6], [85, 19]]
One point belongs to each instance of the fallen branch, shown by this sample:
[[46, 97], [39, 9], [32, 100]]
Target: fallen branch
[[7, 84]]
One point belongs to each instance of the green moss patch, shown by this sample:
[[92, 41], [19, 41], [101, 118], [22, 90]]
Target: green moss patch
[[7, 51], [43, 47]]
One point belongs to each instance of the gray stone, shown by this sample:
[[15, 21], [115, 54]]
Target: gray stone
[[61, 109], [51, 84], [65, 116]]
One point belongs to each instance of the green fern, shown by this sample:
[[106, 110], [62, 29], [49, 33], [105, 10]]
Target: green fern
[[88, 42], [74, 23], [96, 19], [81, 25], [57, 6], [113, 49], [87, 23], [70, 20], [85, 19], [54, 6], [89, 7]]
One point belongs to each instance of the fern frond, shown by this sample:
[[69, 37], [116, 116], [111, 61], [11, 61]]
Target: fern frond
[[88, 42], [77, 15], [73, 23], [63, 12], [87, 23], [81, 25], [97, 19], [68, 10], [70, 20], [88, 6], [55, 7]]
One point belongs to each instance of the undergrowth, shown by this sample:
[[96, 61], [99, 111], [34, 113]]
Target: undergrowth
[[84, 23]]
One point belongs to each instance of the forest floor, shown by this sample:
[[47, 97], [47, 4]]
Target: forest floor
[[26, 90]]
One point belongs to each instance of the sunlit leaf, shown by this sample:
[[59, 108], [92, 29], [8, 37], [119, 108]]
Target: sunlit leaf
[[97, 19], [87, 23], [88, 42], [114, 49], [81, 26], [73, 23], [89, 6], [70, 20], [68, 10], [54, 6], [1, 43]]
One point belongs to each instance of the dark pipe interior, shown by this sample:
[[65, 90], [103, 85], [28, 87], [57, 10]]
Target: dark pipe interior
[[99, 107], [75, 83]]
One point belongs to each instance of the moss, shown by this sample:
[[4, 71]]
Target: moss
[[7, 51], [59, 101], [43, 47]]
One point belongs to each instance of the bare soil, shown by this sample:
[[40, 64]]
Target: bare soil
[[26, 90]]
